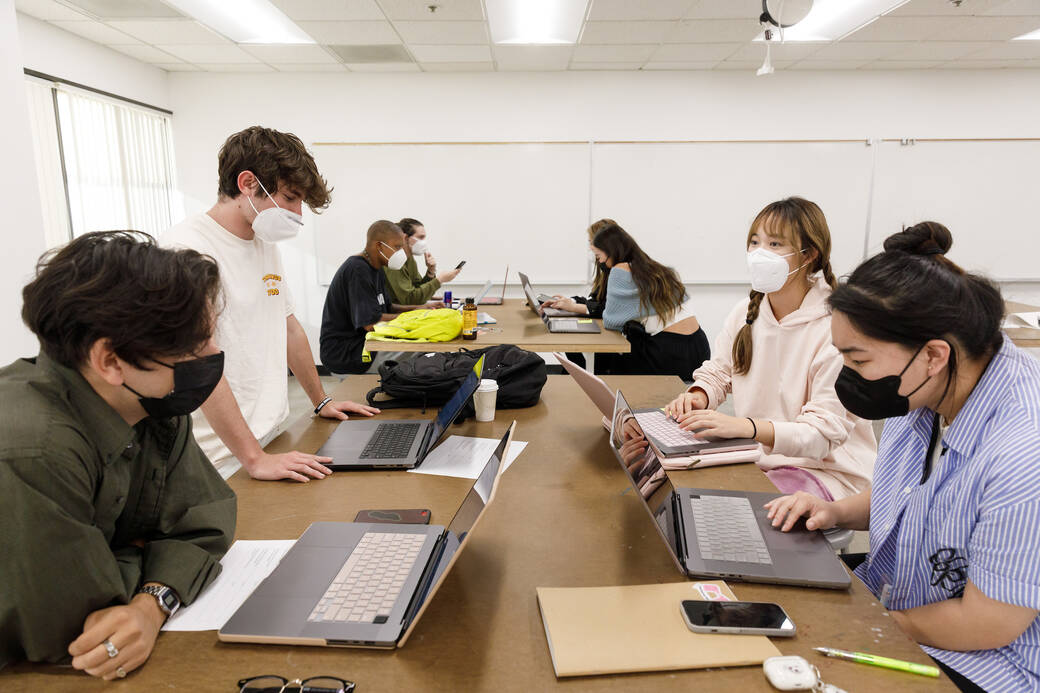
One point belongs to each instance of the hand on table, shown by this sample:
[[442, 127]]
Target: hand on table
[[338, 410], [130, 629]]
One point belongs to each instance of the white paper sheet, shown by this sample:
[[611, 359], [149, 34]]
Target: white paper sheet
[[245, 565], [465, 457], [1031, 319]]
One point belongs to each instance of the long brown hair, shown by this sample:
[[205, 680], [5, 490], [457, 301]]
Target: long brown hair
[[801, 223], [660, 288], [599, 281]]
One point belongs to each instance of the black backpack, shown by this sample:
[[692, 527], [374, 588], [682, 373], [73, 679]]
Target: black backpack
[[429, 380]]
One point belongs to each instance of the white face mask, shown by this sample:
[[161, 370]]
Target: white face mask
[[274, 223], [396, 260], [769, 271], [420, 247]]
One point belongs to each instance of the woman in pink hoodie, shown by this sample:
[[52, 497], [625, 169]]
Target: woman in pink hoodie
[[775, 356]]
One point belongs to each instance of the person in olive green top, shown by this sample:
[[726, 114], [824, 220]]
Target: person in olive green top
[[408, 287], [112, 515]]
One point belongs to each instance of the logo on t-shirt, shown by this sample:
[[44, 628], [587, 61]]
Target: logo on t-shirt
[[272, 281], [949, 571]]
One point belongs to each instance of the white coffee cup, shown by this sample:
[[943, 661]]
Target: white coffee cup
[[484, 400]]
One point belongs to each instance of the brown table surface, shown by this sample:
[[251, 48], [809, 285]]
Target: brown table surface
[[1022, 336], [564, 516], [518, 325]]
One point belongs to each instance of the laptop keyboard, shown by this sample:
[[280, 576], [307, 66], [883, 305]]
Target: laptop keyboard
[[664, 431], [727, 530], [391, 441], [370, 581], [560, 324]]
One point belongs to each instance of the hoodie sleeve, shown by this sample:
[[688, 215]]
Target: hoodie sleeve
[[823, 423], [715, 376]]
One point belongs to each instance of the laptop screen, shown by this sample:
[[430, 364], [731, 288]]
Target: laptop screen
[[450, 411], [644, 470], [477, 498], [529, 292], [483, 292]]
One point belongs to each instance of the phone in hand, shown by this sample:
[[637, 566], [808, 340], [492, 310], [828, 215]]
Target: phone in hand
[[459, 266], [737, 618], [414, 516]]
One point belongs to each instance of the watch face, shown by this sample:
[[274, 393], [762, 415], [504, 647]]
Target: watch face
[[169, 599]]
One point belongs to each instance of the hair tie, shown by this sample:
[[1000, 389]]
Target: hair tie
[[935, 250], [748, 320]]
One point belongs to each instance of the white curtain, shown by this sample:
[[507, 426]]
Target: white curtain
[[40, 97]]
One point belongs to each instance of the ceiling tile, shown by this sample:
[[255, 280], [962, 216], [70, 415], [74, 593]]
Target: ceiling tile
[[626, 32], [389, 53], [1015, 7], [169, 31], [147, 54], [447, 10], [694, 52], [125, 9], [939, 50], [352, 33], [458, 67], [382, 67], [688, 65], [715, 31], [451, 54], [177, 67], [901, 65], [439, 33], [48, 10], [858, 50], [284, 54], [750, 67], [931, 8], [209, 54], [97, 32], [988, 28], [726, 9], [309, 67], [607, 66], [613, 54], [235, 67], [330, 10], [811, 64], [535, 58], [756, 50], [891, 28], [1012, 50], [972, 64], [639, 9]]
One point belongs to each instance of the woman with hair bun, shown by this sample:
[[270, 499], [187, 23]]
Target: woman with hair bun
[[774, 355], [954, 511]]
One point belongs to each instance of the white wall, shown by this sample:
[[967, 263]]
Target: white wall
[[23, 229], [583, 106], [59, 53]]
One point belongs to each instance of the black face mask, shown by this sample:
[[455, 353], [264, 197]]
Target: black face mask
[[193, 383], [875, 399], [603, 267]]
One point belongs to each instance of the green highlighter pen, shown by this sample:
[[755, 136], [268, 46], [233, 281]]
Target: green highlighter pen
[[885, 662]]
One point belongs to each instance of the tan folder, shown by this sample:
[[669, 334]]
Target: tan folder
[[614, 630]]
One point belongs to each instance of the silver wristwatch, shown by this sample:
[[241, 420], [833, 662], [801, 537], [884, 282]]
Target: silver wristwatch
[[168, 600]]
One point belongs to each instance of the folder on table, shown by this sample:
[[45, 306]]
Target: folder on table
[[614, 630]]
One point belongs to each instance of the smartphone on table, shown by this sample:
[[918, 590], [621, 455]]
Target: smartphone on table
[[737, 618], [412, 516]]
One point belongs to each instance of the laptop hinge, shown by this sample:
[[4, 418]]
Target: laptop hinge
[[679, 527], [425, 442], [425, 580]]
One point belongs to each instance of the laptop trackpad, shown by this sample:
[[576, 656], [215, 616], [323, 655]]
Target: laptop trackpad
[[305, 570]]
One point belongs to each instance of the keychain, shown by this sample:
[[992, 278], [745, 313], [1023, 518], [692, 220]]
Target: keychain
[[795, 673]]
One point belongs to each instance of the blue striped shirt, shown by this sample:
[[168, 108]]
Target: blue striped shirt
[[977, 517]]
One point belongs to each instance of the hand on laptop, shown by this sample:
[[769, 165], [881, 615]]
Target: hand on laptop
[[787, 509], [295, 465], [565, 303], [338, 410], [708, 423], [687, 402]]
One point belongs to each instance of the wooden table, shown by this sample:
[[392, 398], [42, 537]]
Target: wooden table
[[1022, 336], [517, 324], [564, 516]]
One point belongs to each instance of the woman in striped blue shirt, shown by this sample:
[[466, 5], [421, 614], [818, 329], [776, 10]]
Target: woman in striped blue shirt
[[954, 512]]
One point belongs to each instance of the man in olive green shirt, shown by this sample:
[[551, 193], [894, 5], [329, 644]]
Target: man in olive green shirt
[[406, 285], [112, 516]]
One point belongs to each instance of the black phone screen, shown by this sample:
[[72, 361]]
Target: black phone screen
[[734, 614], [459, 266]]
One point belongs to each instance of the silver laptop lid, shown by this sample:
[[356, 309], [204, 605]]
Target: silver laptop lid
[[483, 292], [645, 473], [529, 292]]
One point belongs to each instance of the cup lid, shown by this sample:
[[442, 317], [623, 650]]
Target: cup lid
[[487, 384]]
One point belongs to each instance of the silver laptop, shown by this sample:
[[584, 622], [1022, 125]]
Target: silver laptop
[[667, 438], [553, 318], [360, 444], [721, 534], [358, 584]]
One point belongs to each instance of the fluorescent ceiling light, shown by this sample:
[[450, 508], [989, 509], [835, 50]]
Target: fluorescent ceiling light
[[1031, 36], [244, 21], [543, 22], [830, 20]]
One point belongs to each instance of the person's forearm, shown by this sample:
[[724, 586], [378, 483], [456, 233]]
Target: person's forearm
[[398, 308], [223, 414], [853, 512], [301, 362], [763, 432]]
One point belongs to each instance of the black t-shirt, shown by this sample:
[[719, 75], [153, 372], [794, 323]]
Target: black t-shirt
[[357, 297]]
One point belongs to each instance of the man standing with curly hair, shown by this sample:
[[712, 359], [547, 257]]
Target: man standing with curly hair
[[265, 176]]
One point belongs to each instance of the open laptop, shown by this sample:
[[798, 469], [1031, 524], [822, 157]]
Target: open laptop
[[485, 300], [661, 430], [722, 534], [485, 318], [397, 444], [359, 584], [553, 318]]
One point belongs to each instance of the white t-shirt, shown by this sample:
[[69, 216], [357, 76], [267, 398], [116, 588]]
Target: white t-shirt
[[251, 328]]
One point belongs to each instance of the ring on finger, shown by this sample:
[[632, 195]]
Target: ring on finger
[[120, 672], [112, 650]]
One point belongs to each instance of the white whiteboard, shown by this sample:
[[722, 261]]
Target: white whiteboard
[[525, 205], [986, 193], [690, 205]]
